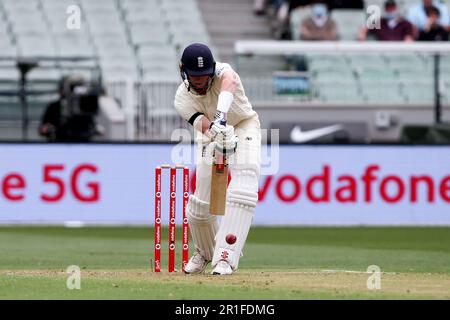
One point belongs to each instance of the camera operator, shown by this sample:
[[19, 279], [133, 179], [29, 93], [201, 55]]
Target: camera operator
[[72, 117]]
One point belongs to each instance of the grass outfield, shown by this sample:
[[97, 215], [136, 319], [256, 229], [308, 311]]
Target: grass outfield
[[279, 263]]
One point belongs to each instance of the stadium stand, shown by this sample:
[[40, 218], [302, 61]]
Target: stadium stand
[[228, 21], [125, 35], [140, 41]]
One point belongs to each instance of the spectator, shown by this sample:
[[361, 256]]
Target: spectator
[[432, 30], [66, 121], [282, 20], [417, 15], [393, 27], [52, 118], [281, 24], [319, 26]]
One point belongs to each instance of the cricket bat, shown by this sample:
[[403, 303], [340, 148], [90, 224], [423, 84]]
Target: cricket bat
[[219, 183]]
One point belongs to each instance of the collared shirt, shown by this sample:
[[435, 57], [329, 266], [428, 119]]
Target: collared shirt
[[390, 31]]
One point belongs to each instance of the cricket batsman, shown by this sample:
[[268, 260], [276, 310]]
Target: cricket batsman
[[212, 92]]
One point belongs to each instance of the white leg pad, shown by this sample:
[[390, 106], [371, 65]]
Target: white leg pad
[[203, 226], [241, 202]]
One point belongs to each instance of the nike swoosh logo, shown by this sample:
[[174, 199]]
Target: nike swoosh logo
[[299, 136]]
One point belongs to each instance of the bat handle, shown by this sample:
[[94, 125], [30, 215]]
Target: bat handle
[[222, 117], [220, 159]]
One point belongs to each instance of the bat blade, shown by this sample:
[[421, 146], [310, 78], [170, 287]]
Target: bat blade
[[219, 183]]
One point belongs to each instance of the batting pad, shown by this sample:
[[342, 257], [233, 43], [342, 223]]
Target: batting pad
[[203, 226], [241, 203]]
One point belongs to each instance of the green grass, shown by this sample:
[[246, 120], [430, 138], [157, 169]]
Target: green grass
[[278, 263]]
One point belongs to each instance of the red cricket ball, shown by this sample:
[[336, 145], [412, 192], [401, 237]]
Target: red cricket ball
[[230, 239]]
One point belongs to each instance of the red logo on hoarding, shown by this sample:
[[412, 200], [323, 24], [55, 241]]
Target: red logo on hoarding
[[326, 187], [58, 182]]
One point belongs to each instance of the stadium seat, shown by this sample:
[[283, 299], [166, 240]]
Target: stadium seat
[[319, 58], [180, 6], [349, 22], [148, 33], [74, 46], [419, 94], [37, 44], [99, 5], [161, 62], [181, 39], [445, 65], [18, 6], [6, 45], [338, 96], [295, 19], [8, 50], [333, 73], [383, 93], [402, 62], [359, 61], [46, 75], [9, 75], [415, 76], [260, 65], [375, 75], [329, 68], [146, 14]]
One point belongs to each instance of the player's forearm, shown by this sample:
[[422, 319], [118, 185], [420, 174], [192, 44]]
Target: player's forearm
[[229, 82], [202, 124], [206, 124], [227, 90]]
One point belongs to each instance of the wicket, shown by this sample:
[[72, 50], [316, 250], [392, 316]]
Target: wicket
[[172, 209]]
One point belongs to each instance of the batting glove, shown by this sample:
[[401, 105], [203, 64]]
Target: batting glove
[[226, 141], [218, 125]]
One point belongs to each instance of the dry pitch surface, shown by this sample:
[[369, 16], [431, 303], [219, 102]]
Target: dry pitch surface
[[310, 263], [37, 284]]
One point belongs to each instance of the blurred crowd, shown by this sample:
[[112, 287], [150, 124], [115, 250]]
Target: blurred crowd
[[425, 20]]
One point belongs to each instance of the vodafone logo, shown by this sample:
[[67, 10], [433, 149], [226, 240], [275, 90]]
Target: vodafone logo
[[372, 184]]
